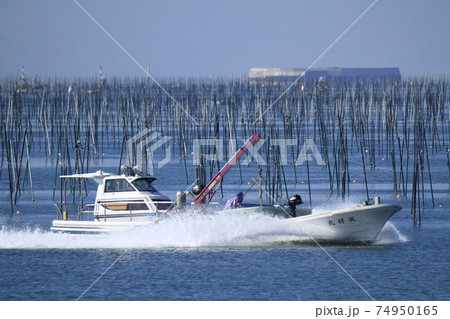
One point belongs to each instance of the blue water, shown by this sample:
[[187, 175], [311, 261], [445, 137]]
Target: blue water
[[203, 257], [222, 258]]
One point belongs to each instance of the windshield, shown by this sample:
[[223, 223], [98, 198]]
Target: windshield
[[118, 185], [144, 185]]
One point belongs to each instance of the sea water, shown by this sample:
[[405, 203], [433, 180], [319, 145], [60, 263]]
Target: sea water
[[222, 257], [226, 257]]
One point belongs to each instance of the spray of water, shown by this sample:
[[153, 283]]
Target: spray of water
[[390, 235], [184, 230]]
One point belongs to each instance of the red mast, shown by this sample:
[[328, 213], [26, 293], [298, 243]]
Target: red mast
[[218, 178]]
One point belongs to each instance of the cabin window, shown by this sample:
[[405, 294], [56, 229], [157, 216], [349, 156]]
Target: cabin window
[[162, 204], [119, 206], [137, 206], [144, 185], [118, 185]]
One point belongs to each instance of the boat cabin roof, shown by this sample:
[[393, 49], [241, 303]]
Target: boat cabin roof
[[99, 176]]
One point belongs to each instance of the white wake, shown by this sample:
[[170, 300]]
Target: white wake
[[184, 230]]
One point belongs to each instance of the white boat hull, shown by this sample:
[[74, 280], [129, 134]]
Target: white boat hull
[[355, 224], [93, 227]]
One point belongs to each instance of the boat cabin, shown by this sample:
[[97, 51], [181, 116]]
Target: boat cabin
[[118, 198]]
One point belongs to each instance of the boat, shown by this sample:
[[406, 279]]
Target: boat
[[357, 224], [361, 223], [130, 199], [121, 201]]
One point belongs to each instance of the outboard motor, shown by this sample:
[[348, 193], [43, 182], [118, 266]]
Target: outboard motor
[[293, 202]]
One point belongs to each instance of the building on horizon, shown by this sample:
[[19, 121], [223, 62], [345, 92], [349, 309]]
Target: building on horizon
[[291, 74]]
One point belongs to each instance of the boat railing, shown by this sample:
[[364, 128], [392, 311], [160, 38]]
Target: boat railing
[[81, 211], [107, 209]]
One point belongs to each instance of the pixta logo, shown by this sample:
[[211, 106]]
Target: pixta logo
[[213, 150], [148, 150], [141, 149]]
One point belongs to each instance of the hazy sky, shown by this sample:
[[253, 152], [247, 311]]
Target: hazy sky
[[204, 37]]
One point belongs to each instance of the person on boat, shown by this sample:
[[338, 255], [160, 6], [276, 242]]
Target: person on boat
[[234, 201]]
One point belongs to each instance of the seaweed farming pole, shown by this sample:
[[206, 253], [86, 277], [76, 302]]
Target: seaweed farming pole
[[218, 178], [448, 164], [10, 174], [348, 116], [364, 169]]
